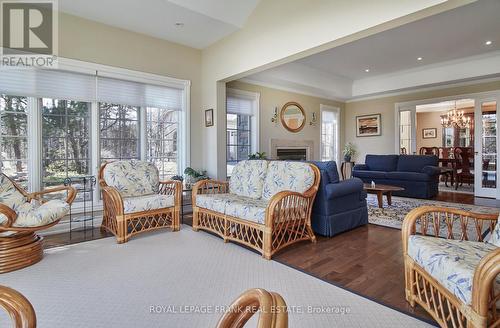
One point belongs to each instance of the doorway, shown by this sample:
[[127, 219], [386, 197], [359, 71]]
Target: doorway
[[462, 132]]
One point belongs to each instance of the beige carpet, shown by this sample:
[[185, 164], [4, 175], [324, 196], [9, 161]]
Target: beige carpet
[[102, 284]]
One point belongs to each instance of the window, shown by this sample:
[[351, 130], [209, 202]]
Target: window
[[162, 127], [63, 123], [241, 126], [65, 140], [119, 131], [14, 138], [329, 135], [238, 139], [405, 133]]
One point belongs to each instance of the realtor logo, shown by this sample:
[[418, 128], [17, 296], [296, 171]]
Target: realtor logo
[[29, 34]]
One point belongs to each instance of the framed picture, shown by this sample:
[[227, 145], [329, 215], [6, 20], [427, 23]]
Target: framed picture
[[429, 133], [368, 125], [209, 117]]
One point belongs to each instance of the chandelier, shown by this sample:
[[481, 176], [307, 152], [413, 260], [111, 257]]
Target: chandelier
[[456, 118]]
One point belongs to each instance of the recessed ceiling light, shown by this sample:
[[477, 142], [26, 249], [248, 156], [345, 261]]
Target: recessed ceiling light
[[367, 70], [419, 58], [488, 42], [179, 24]]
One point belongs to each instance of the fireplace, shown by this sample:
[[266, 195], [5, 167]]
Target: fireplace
[[291, 154], [292, 150]]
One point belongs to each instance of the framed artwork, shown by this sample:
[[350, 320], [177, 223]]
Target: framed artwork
[[209, 117], [368, 125], [429, 133]]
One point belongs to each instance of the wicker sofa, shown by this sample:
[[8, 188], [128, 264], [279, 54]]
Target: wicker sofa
[[453, 274], [136, 201], [266, 205]]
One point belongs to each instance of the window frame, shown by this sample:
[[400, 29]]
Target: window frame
[[35, 124], [336, 112], [254, 118]]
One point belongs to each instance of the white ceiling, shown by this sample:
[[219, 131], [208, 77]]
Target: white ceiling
[[205, 21], [455, 38]]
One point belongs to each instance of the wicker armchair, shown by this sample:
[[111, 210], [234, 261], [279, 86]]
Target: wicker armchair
[[22, 214], [271, 307], [455, 281], [265, 206], [136, 201], [18, 307]]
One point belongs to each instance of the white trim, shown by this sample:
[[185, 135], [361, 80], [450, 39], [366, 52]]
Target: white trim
[[34, 164], [424, 89], [287, 89], [446, 98]]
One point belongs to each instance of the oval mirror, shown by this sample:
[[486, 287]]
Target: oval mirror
[[293, 116]]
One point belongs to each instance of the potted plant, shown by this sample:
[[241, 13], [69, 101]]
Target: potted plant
[[349, 151], [193, 176], [258, 155]]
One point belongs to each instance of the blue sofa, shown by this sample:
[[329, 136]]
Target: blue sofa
[[417, 174], [339, 205]]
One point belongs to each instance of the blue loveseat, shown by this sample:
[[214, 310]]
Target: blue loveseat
[[339, 205], [417, 174]]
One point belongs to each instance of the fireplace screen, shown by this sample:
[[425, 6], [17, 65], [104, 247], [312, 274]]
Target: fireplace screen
[[291, 154]]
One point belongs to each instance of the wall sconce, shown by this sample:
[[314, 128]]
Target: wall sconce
[[274, 119], [313, 120]]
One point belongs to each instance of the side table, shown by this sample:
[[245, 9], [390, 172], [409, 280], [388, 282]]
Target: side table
[[186, 202], [346, 169]]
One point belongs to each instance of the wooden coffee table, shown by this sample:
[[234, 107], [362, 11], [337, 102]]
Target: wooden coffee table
[[380, 190]]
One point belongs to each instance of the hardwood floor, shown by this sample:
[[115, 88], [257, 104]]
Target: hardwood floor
[[367, 260]]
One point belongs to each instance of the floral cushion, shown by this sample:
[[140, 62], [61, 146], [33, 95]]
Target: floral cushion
[[132, 178], [451, 262], [9, 195], [247, 178], [292, 176], [247, 208], [215, 202], [495, 234], [241, 207], [35, 214], [147, 203]]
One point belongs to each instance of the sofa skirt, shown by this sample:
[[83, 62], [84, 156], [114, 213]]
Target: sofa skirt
[[331, 225]]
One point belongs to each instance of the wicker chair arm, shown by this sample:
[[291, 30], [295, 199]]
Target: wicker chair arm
[[171, 187], [285, 204], [210, 187], [484, 278], [431, 216], [111, 197], [69, 198], [271, 307], [18, 307], [10, 214]]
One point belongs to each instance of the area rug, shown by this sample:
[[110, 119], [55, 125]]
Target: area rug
[[393, 216], [182, 279]]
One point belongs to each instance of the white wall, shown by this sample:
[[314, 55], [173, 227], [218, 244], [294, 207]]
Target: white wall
[[94, 42], [281, 31]]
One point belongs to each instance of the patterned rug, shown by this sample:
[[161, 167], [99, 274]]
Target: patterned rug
[[393, 216]]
